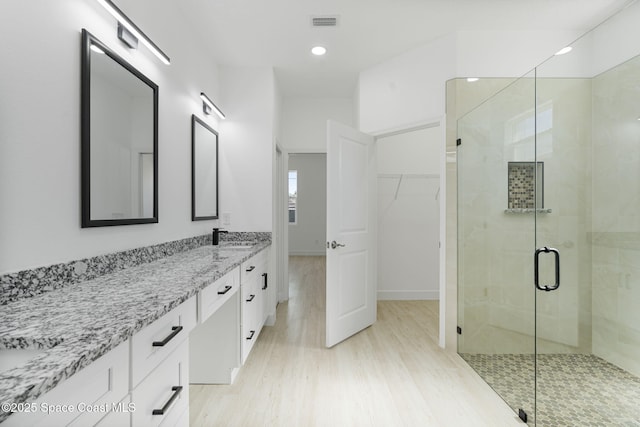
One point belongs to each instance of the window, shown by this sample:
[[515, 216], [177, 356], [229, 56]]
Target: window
[[293, 197], [530, 132]]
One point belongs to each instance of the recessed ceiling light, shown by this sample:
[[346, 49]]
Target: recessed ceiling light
[[564, 50], [319, 50], [472, 79]]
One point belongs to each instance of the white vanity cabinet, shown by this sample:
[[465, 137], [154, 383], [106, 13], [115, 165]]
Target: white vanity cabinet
[[87, 398], [214, 345], [154, 343], [254, 297], [162, 398], [160, 367], [217, 294], [144, 381]]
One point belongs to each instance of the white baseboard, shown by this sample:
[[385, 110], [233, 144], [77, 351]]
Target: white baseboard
[[234, 373], [408, 295], [271, 320], [307, 253]]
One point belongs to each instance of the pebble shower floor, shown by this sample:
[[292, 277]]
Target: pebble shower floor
[[573, 389]]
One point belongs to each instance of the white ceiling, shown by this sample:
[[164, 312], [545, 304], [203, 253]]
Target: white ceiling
[[278, 33]]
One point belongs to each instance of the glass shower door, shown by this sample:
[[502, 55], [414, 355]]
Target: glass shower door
[[498, 180], [588, 329]]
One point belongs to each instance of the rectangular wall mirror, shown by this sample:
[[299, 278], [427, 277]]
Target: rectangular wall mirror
[[119, 139], [204, 171]]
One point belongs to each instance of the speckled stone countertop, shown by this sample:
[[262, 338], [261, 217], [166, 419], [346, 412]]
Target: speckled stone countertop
[[80, 322]]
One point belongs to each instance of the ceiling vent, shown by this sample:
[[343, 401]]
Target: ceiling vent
[[324, 21]]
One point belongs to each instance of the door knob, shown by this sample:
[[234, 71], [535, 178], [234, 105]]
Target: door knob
[[335, 244]]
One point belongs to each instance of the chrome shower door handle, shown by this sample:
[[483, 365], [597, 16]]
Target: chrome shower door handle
[[536, 266]]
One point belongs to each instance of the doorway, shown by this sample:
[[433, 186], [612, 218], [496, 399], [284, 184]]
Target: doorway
[[307, 204], [409, 210], [409, 214]]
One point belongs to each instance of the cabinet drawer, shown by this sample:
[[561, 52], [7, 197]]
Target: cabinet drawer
[[251, 308], [252, 266], [158, 399], [164, 395], [170, 330], [182, 421], [120, 416], [215, 295], [99, 385]]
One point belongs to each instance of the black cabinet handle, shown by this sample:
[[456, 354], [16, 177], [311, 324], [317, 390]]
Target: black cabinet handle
[[251, 333], [227, 288], [176, 392], [176, 330], [265, 276], [251, 268], [251, 297]]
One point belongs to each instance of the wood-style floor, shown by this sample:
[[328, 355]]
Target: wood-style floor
[[391, 374]]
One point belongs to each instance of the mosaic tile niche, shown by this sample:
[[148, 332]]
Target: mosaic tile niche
[[522, 177]]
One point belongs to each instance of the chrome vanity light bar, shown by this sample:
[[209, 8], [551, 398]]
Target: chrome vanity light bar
[[208, 105], [133, 28]]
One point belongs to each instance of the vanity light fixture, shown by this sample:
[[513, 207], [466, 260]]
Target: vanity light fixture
[[127, 37], [208, 105], [318, 50], [132, 30], [564, 50], [472, 79]]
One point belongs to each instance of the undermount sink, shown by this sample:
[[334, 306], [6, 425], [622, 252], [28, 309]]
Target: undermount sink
[[14, 357]]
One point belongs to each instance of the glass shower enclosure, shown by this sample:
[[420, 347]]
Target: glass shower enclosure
[[549, 234]]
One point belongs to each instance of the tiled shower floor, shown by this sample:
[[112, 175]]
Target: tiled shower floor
[[573, 389]]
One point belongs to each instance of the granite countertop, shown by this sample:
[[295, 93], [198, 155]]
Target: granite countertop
[[79, 323]]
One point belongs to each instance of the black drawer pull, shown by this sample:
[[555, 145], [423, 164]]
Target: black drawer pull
[[251, 333], [176, 392], [227, 288], [251, 268], [265, 276], [251, 297], [175, 329]]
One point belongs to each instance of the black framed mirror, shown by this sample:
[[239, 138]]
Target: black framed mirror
[[119, 139], [204, 171]]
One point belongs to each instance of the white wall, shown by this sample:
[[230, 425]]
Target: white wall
[[308, 235], [506, 53], [40, 132], [408, 215], [304, 121], [614, 41], [410, 88], [247, 148], [406, 89]]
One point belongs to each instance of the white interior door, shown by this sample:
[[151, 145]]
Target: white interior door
[[351, 232]]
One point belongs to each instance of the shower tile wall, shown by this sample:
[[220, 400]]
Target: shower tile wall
[[564, 316], [496, 249], [616, 216], [462, 97], [496, 278]]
